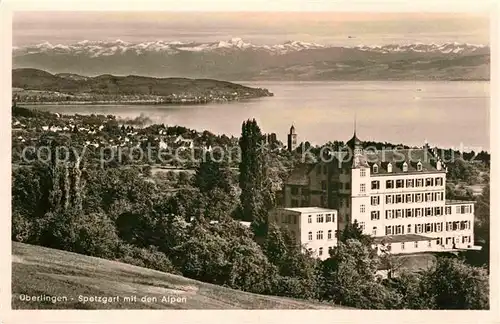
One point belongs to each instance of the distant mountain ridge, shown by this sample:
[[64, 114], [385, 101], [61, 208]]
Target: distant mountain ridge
[[239, 60], [106, 48]]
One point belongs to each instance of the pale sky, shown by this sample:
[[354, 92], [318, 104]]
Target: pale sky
[[256, 27]]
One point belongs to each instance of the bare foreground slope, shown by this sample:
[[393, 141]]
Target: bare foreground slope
[[39, 271]]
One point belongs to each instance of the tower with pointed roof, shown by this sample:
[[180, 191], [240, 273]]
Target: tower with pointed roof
[[355, 147], [360, 181], [292, 139]]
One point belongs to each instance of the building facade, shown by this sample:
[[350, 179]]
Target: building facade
[[311, 227], [397, 196]]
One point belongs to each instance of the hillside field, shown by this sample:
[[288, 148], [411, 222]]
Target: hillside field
[[42, 271]]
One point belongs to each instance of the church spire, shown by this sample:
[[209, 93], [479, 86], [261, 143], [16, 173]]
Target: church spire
[[354, 124]]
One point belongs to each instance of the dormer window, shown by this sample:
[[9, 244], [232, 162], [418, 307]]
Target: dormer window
[[439, 165], [389, 167], [405, 167], [419, 166], [375, 168]]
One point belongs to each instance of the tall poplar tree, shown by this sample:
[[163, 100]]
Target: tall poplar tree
[[256, 197]]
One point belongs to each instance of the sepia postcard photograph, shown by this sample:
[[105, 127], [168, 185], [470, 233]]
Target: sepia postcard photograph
[[258, 160]]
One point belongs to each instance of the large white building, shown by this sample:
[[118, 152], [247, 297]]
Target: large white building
[[397, 196], [311, 227]]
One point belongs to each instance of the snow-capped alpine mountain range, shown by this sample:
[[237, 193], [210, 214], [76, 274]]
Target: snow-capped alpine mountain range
[[107, 48], [236, 59]]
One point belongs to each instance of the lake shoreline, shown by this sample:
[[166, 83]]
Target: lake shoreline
[[142, 103], [324, 111]]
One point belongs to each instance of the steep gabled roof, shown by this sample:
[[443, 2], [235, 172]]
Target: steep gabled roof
[[398, 157]]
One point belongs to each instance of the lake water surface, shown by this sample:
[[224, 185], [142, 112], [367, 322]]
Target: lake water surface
[[443, 113]]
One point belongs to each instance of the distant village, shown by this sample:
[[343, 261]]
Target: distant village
[[46, 97], [106, 132]]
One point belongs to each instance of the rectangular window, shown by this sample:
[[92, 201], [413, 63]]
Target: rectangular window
[[409, 212], [362, 187], [375, 184], [428, 211], [399, 199], [416, 244], [419, 228], [458, 209], [319, 218], [409, 183], [420, 182], [418, 212], [329, 234], [310, 236], [389, 184], [399, 229], [328, 218], [400, 183], [319, 235], [362, 225], [448, 210], [388, 199], [429, 182], [428, 227], [362, 172], [375, 200], [439, 181], [437, 211], [408, 229], [361, 208], [408, 198], [399, 213], [388, 214], [428, 196], [418, 197], [388, 230], [375, 215], [402, 245], [439, 227]]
